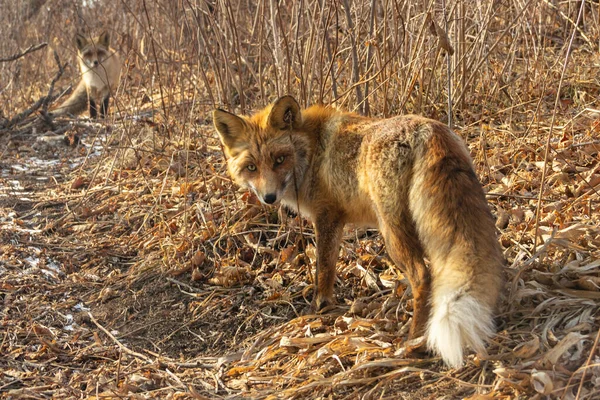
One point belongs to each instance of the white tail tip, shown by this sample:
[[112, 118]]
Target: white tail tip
[[458, 320]]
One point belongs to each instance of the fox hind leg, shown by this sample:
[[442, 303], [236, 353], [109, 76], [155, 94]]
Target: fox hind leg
[[389, 189], [404, 248]]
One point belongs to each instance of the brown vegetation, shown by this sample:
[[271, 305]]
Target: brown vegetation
[[130, 266]]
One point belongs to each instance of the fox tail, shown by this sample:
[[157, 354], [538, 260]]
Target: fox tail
[[76, 103], [458, 233]]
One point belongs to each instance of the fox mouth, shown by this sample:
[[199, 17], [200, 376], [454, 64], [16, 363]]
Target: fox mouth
[[270, 199], [273, 198]]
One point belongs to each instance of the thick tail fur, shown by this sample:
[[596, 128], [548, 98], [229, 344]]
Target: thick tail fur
[[458, 233], [76, 103]]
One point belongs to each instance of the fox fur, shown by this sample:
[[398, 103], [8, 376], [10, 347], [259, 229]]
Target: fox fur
[[408, 176], [100, 71]]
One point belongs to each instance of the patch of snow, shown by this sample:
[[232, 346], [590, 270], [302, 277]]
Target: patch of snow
[[80, 307], [49, 274], [16, 185], [70, 323], [53, 265], [33, 261]]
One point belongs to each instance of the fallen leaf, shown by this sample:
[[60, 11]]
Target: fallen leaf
[[527, 349], [541, 381], [553, 355]]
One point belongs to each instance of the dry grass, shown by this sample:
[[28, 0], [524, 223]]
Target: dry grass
[[130, 266]]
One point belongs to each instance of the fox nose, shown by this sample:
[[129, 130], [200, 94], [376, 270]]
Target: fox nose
[[95, 62], [270, 198]]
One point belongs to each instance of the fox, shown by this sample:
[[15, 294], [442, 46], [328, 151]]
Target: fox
[[410, 177], [100, 72]]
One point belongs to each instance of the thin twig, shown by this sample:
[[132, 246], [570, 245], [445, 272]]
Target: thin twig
[[30, 49], [41, 102], [355, 71], [365, 106], [121, 346], [156, 64], [46, 102], [549, 139], [587, 363], [448, 66]]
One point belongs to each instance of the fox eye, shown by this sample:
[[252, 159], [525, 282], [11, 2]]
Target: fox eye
[[251, 167], [279, 160]]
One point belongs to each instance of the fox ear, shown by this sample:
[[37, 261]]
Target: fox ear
[[104, 39], [80, 41], [285, 113], [229, 126]]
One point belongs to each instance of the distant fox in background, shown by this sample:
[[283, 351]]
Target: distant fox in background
[[409, 176], [100, 71]]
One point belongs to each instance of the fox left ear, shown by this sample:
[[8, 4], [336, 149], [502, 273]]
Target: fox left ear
[[229, 126], [104, 39], [285, 113], [80, 41]]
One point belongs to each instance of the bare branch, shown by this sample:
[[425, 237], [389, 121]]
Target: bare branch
[[30, 49]]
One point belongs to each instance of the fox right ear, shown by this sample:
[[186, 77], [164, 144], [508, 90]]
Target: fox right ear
[[104, 39], [80, 41], [285, 113], [229, 126]]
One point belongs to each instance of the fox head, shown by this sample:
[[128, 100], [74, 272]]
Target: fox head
[[93, 51], [267, 152]]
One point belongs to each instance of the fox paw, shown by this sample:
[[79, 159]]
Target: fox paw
[[322, 304], [416, 347]]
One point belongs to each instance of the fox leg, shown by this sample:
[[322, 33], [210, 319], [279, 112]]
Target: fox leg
[[404, 248], [328, 229], [104, 107], [93, 109]]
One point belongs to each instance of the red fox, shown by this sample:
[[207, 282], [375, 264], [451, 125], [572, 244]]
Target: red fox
[[410, 177], [100, 70]]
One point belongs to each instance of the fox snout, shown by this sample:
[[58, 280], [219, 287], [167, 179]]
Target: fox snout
[[270, 188], [270, 198], [91, 62], [266, 198]]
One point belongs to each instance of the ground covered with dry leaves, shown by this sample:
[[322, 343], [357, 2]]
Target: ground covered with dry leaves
[[131, 266]]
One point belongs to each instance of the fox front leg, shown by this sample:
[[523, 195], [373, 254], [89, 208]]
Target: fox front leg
[[328, 229], [93, 109], [104, 107]]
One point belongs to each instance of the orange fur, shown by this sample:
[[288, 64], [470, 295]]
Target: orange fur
[[409, 176]]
